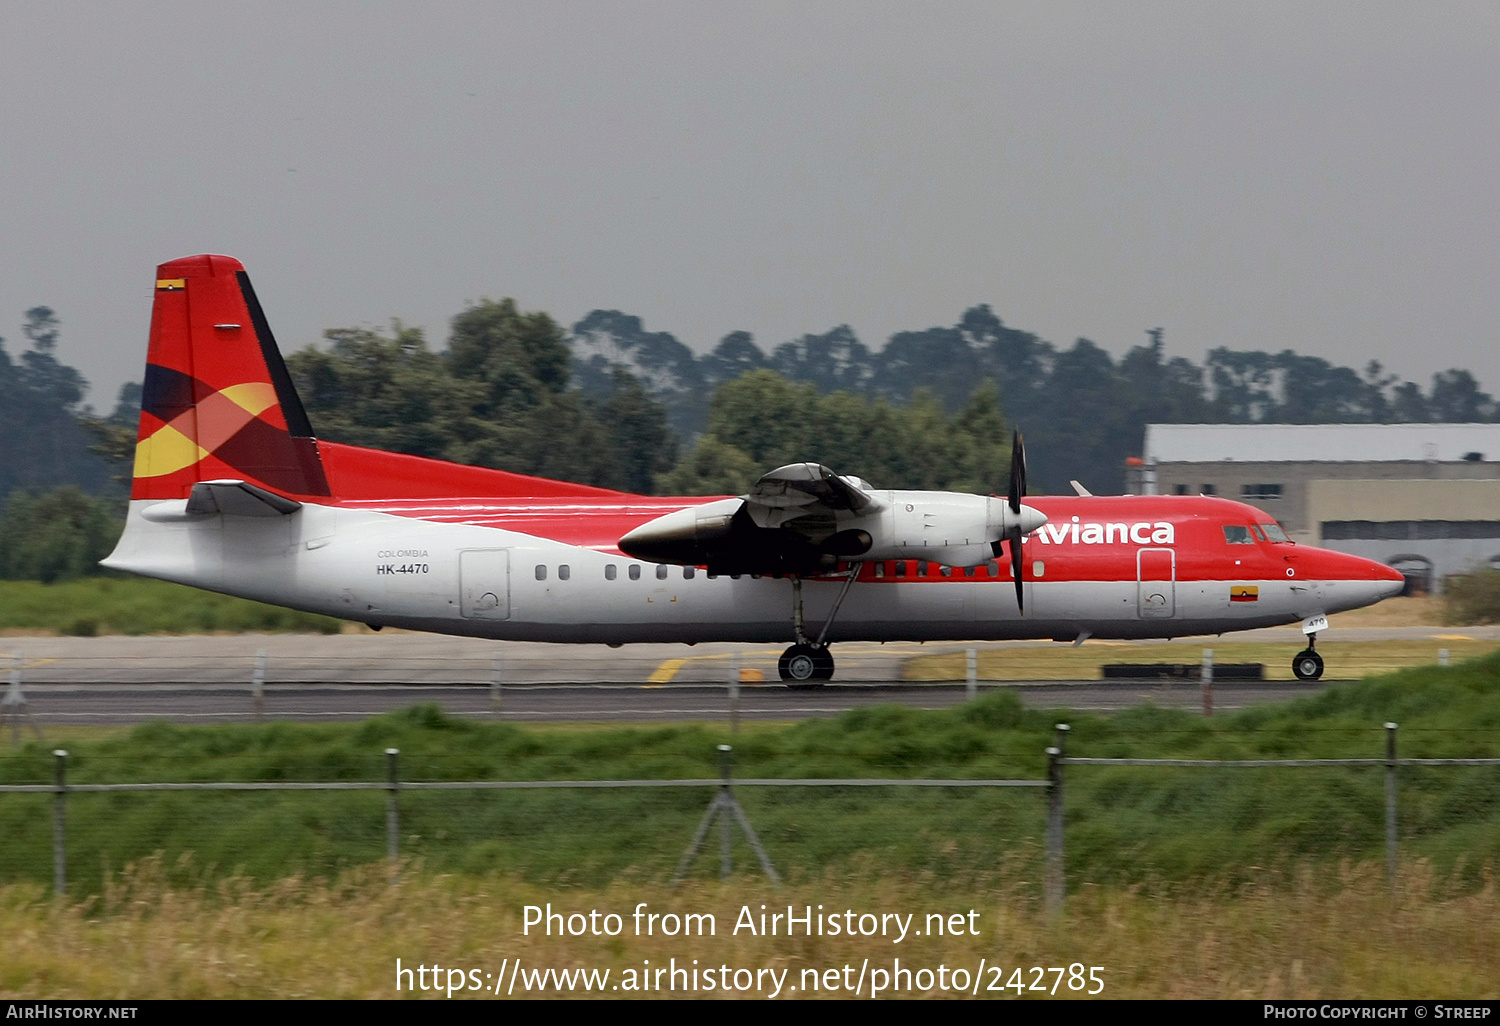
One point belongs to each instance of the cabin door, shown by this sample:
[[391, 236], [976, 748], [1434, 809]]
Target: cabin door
[[484, 584], [1156, 583]]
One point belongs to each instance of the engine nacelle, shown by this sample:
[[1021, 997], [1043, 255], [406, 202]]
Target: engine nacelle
[[950, 528], [685, 537]]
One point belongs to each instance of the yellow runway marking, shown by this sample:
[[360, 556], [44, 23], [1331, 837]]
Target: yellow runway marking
[[1452, 637], [664, 673]]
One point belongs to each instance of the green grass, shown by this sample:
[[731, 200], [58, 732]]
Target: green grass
[[1125, 826], [115, 605]]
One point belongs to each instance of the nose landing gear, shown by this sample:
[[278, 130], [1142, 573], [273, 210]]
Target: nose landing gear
[[1307, 664]]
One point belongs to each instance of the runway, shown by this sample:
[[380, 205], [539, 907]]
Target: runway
[[206, 679]]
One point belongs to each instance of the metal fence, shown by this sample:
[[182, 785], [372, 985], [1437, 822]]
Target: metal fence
[[1391, 764], [725, 806]]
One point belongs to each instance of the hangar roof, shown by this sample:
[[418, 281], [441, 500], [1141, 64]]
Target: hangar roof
[[1320, 443]]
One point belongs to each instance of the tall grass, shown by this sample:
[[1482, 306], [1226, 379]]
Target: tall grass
[[147, 936]]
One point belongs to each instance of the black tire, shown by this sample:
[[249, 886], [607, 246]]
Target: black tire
[[825, 665], [798, 664], [1307, 665]]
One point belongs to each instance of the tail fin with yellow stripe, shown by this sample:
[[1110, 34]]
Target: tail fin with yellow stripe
[[217, 402]]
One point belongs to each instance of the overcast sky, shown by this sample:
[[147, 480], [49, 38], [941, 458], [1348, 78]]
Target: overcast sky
[[1318, 176]]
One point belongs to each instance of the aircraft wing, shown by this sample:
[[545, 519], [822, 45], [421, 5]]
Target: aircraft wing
[[806, 490]]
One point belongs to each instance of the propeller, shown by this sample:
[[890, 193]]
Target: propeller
[[1015, 494]]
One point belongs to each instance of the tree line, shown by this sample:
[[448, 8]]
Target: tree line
[[1083, 412]]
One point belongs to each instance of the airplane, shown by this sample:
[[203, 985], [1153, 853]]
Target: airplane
[[232, 492]]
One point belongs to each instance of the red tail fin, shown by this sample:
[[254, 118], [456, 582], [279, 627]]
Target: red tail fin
[[217, 401]]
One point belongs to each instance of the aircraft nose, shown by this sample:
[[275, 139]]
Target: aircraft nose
[[1391, 582]]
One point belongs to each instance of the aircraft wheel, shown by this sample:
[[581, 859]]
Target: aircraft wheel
[[800, 664], [1308, 665], [825, 665]]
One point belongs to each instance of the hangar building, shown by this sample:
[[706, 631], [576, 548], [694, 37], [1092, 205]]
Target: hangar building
[[1424, 498]]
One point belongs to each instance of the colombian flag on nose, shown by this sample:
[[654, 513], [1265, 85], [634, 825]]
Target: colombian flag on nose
[[217, 402], [1244, 593]]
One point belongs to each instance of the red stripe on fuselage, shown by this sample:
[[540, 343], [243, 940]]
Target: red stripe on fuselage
[[1191, 526]]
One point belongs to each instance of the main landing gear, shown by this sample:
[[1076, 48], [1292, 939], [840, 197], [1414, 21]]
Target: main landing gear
[[808, 663], [1308, 665], [802, 663]]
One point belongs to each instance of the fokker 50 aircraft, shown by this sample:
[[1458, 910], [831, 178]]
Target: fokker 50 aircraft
[[233, 493]]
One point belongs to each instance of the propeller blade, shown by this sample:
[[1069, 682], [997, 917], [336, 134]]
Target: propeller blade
[[1017, 472], [1014, 537]]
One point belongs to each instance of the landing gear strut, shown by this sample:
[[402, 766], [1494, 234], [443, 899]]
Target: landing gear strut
[[809, 662], [1308, 665]]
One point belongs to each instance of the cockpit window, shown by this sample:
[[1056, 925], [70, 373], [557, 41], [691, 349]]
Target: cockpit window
[[1258, 532], [1275, 533], [1238, 534]]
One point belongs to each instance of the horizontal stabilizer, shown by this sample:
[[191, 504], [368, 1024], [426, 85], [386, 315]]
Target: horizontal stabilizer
[[238, 499]]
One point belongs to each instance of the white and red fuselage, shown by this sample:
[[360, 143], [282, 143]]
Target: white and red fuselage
[[548, 568]]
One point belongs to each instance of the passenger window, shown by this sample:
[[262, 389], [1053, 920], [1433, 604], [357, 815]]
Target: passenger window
[[969, 571], [661, 571], [901, 568], [922, 568], [689, 572], [609, 572], [541, 572], [1236, 534], [563, 572], [946, 571], [994, 569], [635, 571], [879, 569]]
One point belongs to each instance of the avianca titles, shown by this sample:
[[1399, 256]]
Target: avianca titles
[[233, 493]]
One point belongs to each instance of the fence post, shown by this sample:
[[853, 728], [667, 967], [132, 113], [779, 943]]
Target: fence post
[[726, 839], [734, 693], [1053, 854], [258, 686], [1207, 675], [13, 707], [1390, 807], [1442, 657], [59, 824], [971, 674], [392, 819]]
